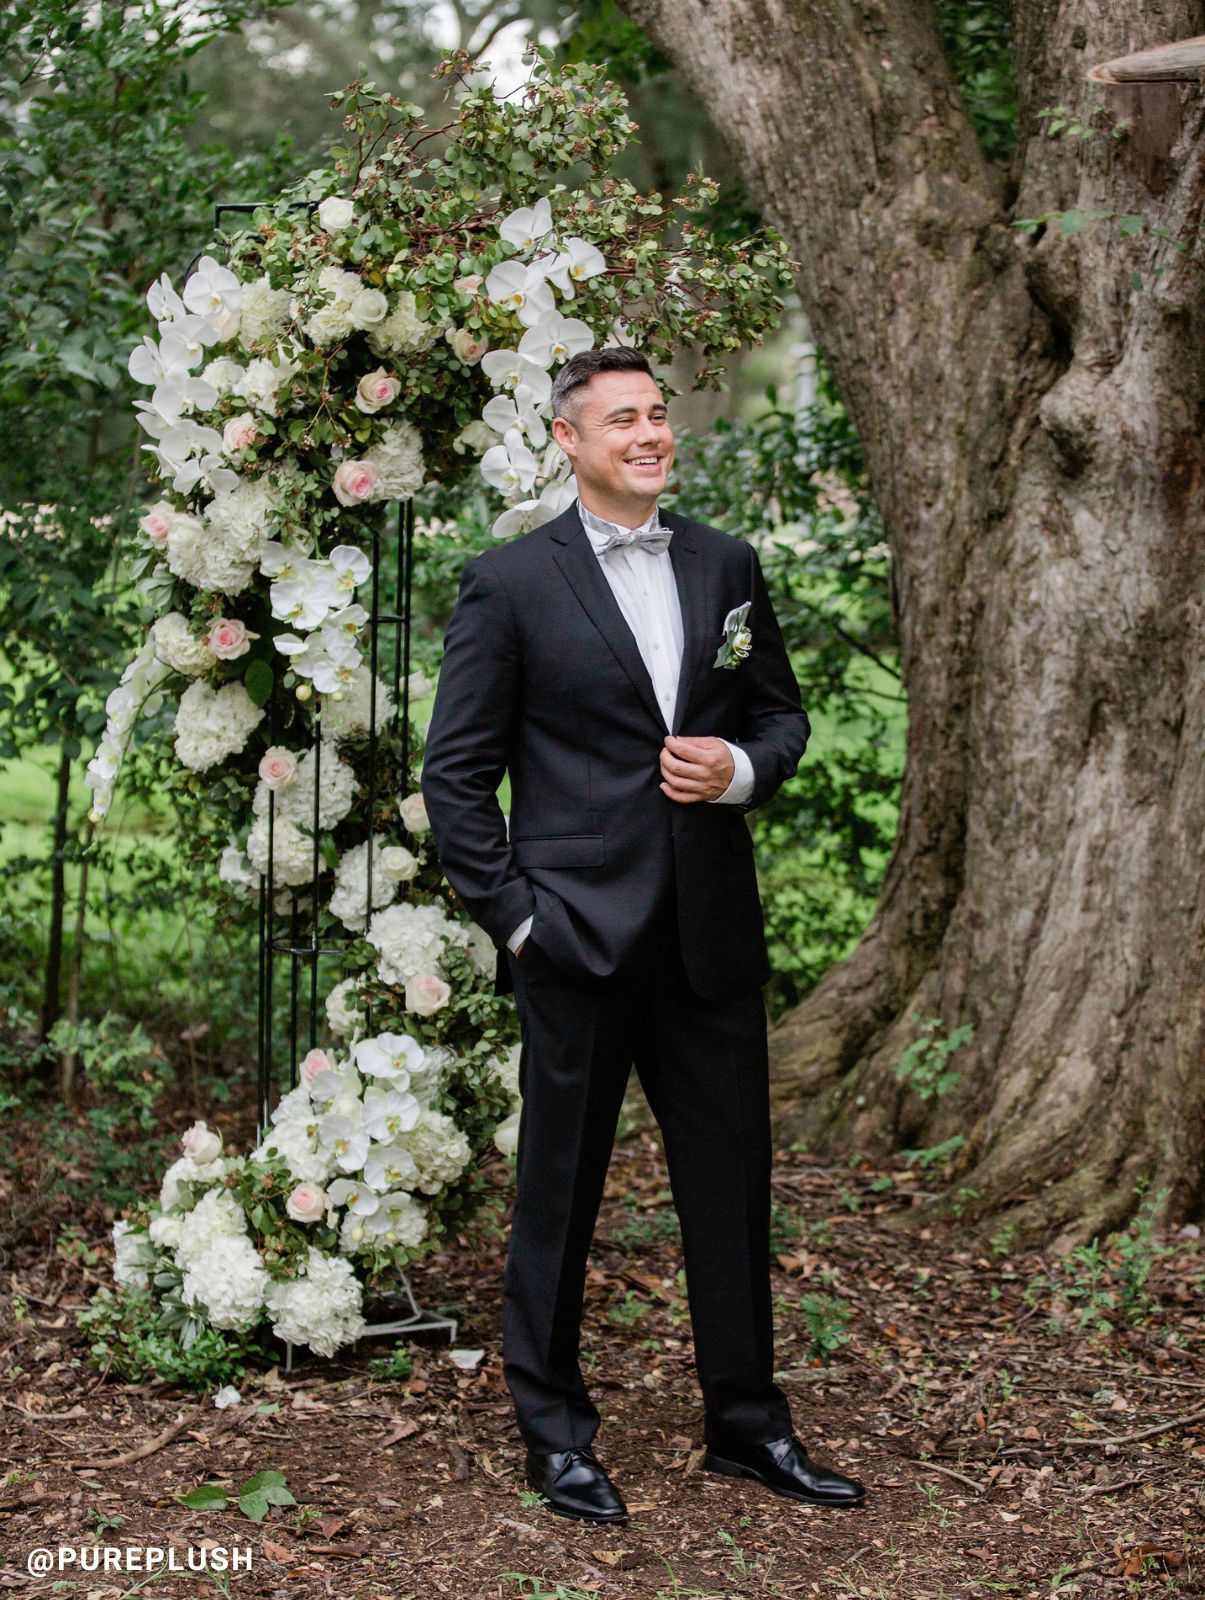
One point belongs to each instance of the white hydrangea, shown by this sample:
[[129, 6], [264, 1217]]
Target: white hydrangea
[[132, 1256], [337, 789], [427, 1079], [297, 1143], [260, 384], [216, 1218], [165, 1231], [178, 645], [228, 1282], [212, 724], [440, 1150], [186, 1170], [348, 717], [398, 462], [224, 374], [482, 950], [321, 1309], [292, 854], [399, 1220], [403, 329], [411, 939], [265, 312], [342, 1016], [349, 898], [235, 869], [335, 318]]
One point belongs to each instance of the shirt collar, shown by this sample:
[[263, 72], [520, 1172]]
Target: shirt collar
[[599, 530]]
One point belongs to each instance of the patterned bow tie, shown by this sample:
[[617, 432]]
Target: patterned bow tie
[[653, 538]]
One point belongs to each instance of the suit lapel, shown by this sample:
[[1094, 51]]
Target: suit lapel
[[574, 554]]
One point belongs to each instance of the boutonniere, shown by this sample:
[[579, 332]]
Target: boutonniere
[[738, 640]]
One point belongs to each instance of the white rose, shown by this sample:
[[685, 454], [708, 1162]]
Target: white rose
[[375, 390], [307, 1203], [426, 994], [201, 1144], [335, 213], [398, 863], [468, 285], [368, 308], [239, 433], [413, 812], [314, 1062], [506, 1134]]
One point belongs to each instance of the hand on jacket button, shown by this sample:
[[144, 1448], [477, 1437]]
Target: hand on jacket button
[[695, 768]]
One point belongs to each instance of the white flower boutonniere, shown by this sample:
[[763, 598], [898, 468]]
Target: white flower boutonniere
[[738, 640]]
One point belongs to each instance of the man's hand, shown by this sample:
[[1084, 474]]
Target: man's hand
[[694, 768]]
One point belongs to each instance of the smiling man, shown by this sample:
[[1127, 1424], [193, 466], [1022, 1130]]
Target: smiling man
[[625, 667]]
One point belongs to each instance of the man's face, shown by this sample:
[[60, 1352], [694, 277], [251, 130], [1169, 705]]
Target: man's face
[[620, 443]]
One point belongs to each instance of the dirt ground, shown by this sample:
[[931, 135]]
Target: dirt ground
[[1007, 1449]]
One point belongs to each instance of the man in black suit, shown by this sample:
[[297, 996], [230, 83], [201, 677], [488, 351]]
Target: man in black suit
[[626, 668]]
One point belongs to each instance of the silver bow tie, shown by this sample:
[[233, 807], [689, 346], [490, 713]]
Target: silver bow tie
[[653, 539]]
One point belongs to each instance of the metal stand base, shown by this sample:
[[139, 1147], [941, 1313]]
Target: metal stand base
[[418, 1321]]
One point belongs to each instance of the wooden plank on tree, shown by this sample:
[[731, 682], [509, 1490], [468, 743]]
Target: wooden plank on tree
[[1183, 61]]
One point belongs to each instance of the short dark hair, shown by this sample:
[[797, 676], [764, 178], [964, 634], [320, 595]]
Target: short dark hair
[[579, 369]]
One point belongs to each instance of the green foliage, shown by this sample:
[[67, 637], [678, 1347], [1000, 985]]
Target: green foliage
[[978, 41], [257, 1495], [393, 1368], [128, 1339], [124, 1067], [936, 1155], [1106, 1281], [825, 1320], [924, 1066]]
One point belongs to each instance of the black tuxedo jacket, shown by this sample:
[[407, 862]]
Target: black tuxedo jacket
[[542, 678]]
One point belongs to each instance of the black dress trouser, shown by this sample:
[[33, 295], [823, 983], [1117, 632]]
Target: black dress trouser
[[703, 1067]]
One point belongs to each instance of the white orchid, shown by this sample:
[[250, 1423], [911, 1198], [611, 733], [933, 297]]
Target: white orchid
[[392, 1056], [507, 369], [575, 263], [388, 1164], [357, 1196], [554, 338], [308, 597], [510, 466], [346, 1138], [517, 413], [528, 225], [521, 289], [352, 567], [388, 1112], [213, 290]]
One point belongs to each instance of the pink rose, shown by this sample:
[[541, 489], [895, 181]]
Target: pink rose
[[157, 525], [228, 638], [307, 1203], [201, 1145], [375, 390], [312, 1064], [425, 993], [468, 347], [239, 433], [469, 284], [277, 767], [354, 482]]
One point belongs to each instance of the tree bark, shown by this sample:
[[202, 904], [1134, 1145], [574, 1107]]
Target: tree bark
[[1031, 420]]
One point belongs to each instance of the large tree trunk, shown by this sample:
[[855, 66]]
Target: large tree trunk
[[1032, 423]]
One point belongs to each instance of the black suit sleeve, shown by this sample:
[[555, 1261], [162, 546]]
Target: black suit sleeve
[[776, 727], [466, 752]]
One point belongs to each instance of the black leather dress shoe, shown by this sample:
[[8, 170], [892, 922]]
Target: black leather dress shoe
[[575, 1485], [783, 1465]]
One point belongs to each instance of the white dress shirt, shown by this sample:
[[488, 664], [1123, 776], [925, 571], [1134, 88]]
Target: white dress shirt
[[642, 582]]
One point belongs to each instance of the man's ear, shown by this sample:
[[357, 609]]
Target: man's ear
[[565, 435]]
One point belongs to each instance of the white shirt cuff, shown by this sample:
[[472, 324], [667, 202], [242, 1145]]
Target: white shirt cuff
[[521, 932], [741, 787]]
